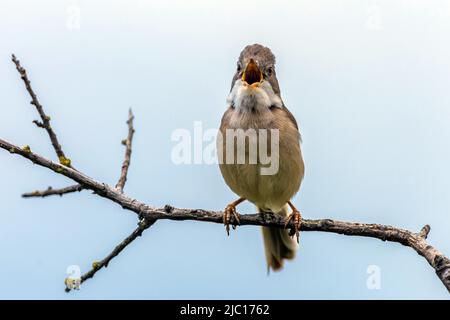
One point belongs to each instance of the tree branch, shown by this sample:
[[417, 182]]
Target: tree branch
[[148, 215], [416, 241], [50, 191], [126, 162], [143, 225], [45, 124]]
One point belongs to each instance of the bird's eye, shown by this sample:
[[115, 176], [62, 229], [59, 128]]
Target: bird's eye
[[269, 71], [239, 67]]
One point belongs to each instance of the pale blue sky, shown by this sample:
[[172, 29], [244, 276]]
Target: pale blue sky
[[367, 81]]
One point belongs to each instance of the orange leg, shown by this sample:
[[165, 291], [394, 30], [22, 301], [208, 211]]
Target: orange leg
[[230, 214], [296, 219]]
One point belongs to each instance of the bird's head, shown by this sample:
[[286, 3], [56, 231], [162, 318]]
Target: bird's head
[[255, 77]]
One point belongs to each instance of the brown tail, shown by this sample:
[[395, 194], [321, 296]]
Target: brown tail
[[278, 245]]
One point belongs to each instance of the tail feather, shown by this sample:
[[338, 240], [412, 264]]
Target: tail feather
[[278, 245]]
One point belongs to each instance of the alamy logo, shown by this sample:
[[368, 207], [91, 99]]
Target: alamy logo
[[235, 146], [73, 20], [373, 281]]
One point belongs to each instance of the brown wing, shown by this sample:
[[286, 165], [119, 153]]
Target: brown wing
[[292, 118]]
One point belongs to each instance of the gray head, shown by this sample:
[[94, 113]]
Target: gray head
[[257, 59], [255, 86]]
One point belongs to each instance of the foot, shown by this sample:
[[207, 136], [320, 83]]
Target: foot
[[230, 216], [296, 218]]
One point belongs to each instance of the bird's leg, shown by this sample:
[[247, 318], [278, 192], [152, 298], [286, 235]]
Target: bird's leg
[[296, 218], [230, 211]]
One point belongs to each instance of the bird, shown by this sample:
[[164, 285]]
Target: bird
[[254, 104]]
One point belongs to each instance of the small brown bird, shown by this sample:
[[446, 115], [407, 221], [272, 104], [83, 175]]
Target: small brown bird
[[255, 105]]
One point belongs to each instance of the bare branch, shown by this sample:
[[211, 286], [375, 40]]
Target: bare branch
[[149, 215], [436, 259], [45, 124], [50, 191], [143, 225], [126, 162]]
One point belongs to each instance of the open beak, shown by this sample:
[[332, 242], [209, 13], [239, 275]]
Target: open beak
[[252, 74]]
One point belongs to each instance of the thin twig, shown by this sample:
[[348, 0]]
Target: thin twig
[[50, 191], [435, 258], [45, 123], [128, 145], [143, 225]]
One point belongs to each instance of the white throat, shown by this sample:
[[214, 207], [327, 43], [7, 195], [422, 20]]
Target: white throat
[[250, 98]]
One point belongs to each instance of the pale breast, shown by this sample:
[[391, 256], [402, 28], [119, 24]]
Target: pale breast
[[267, 191]]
